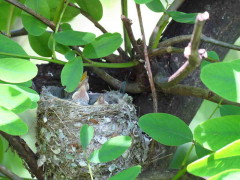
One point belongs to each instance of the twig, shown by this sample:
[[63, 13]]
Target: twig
[[162, 23], [33, 13], [185, 90], [25, 153], [191, 52], [9, 173], [147, 61], [164, 50], [127, 24], [19, 32]]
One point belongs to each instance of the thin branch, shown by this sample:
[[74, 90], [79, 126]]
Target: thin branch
[[33, 13], [191, 52], [127, 24], [164, 50], [183, 38], [185, 90], [147, 61], [19, 32], [162, 23], [20, 146], [9, 173]]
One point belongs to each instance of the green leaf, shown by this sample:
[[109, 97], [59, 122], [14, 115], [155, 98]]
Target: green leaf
[[58, 47], [70, 13], [156, 6], [70, 55], [201, 151], [224, 159], [86, 135], [93, 8], [182, 17], [166, 128], [103, 45], [7, 45], [222, 78], [229, 110], [227, 175], [13, 99], [66, 27], [212, 55], [74, 38], [142, 1], [15, 70], [72, 73], [129, 174], [40, 44], [218, 132], [111, 150], [31, 24], [10, 123], [25, 84]]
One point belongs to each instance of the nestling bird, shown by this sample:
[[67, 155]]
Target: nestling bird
[[81, 96], [101, 100]]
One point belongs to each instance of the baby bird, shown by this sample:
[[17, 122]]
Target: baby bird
[[101, 100], [81, 96]]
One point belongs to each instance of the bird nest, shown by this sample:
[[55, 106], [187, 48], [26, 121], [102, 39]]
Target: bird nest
[[59, 122]]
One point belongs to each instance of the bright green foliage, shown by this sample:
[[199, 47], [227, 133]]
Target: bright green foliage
[[11, 123], [31, 24], [25, 84], [166, 128], [66, 26], [218, 132], [70, 55], [9, 46], [92, 7], [72, 73], [103, 45], [13, 99], [111, 150], [223, 79], [224, 159], [129, 174], [15, 70], [86, 135], [201, 151], [229, 110], [156, 6], [58, 47], [74, 38], [232, 174], [142, 1], [212, 55], [40, 44], [182, 17]]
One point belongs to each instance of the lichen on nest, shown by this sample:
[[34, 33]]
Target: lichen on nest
[[59, 123]]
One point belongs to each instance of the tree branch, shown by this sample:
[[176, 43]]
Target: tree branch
[[164, 50], [20, 146], [9, 173], [191, 53], [19, 32]]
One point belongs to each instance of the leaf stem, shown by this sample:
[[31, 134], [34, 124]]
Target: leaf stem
[[9, 21], [89, 166]]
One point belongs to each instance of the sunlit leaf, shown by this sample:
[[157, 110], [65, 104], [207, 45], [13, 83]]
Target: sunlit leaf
[[11, 123], [142, 1], [72, 73], [166, 128], [224, 159], [15, 70], [231, 174], [182, 17], [103, 45], [156, 6], [111, 150], [129, 174], [86, 135]]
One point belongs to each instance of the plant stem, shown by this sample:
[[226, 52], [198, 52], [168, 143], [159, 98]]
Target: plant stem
[[220, 102], [90, 64], [182, 171], [9, 21], [89, 166]]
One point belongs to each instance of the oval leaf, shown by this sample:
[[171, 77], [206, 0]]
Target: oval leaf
[[9, 46], [15, 70], [182, 17], [142, 1], [166, 128], [129, 174], [13, 99], [224, 159], [227, 175], [86, 135], [71, 74], [223, 78], [218, 132], [226, 110], [74, 38], [103, 45], [156, 6], [10, 123], [31, 24], [111, 150], [40, 44], [93, 8]]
